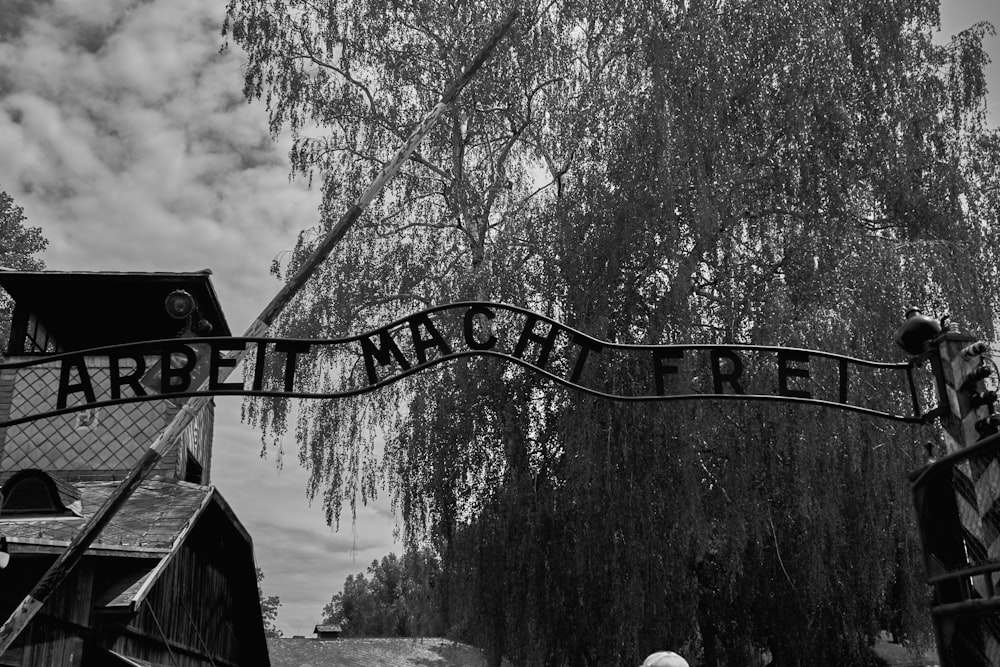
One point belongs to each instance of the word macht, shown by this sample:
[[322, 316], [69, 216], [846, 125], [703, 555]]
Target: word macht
[[340, 367]]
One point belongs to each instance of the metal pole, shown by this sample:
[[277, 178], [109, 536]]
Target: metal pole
[[963, 638], [63, 565]]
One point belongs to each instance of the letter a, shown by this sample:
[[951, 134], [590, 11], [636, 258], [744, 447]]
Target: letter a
[[84, 385]]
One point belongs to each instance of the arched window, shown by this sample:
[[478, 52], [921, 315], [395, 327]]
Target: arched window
[[34, 492]]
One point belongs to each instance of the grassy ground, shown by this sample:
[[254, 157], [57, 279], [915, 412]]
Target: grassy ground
[[435, 652], [384, 652]]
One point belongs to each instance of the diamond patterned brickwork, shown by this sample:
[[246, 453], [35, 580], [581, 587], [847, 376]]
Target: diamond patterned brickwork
[[7, 378], [108, 438]]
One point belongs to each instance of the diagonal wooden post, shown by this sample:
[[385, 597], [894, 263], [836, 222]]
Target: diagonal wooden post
[[61, 568]]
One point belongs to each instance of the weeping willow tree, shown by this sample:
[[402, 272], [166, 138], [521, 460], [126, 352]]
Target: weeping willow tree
[[778, 173]]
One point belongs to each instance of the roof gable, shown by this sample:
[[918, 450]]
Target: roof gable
[[130, 304], [172, 545]]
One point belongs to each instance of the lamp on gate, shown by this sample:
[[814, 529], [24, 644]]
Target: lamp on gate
[[180, 305], [917, 331]]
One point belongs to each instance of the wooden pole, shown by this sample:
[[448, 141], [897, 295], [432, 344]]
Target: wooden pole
[[63, 565]]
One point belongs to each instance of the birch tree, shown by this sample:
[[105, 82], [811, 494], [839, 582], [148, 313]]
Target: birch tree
[[19, 247], [779, 173]]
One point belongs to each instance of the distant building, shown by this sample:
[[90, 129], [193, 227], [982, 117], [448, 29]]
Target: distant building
[[171, 580], [325, 632]]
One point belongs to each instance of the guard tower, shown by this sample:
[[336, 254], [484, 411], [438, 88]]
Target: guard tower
[[57, 312]]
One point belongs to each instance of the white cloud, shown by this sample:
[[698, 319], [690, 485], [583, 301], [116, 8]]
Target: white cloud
[[127, 140], [140, 140]]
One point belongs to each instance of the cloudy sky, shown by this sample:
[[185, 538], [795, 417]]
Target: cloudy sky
[[124, 136]]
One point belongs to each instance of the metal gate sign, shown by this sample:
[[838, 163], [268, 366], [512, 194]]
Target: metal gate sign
[[177, 367]]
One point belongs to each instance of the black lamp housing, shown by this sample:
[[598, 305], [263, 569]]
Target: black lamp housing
[[180, 305], [917, 331]]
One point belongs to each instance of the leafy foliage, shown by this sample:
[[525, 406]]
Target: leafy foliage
[[269, 608], [18, 246], [397, 599], [779, 173]]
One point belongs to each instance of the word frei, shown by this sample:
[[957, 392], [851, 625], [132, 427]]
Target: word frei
[[199, 366]]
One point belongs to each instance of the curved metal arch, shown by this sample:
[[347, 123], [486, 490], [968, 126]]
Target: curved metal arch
[[150, 348]]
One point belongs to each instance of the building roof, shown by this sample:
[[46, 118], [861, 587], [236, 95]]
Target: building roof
[[150, 525], [381, 651], [124, 307], [327, 628]]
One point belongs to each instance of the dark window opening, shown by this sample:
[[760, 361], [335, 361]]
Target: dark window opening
[[193, 471], [29, 336], [33, 492], [30, 495]]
